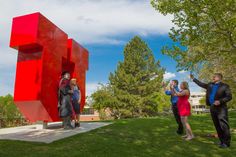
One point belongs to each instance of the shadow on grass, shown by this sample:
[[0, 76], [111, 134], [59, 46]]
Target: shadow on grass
[[133, 137]]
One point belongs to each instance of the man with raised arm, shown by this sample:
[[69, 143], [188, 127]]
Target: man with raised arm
[[217, 96]]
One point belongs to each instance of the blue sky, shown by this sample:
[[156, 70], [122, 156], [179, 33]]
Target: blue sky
[[101, 26], [104, 59]]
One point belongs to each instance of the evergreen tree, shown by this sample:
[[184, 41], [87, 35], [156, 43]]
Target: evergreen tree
[[137, 80], [134, 89]]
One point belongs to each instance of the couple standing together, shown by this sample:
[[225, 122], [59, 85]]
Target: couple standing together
[[217, 96], [181, 107], [69, 97]]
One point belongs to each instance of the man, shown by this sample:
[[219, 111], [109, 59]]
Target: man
[[64, 100], [217, 96], [174, 99]]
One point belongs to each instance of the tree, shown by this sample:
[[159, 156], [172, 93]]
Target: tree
[[9, 113], [204, 36], [103, 99], [207, 28], [133, 87]]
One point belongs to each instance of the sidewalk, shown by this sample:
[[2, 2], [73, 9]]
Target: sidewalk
[[54, 132]]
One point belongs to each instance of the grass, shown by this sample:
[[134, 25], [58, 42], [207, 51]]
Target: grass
[[130, 138]]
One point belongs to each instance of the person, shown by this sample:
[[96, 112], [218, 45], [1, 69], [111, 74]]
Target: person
[[174, 107], [217, 96], [76, 98], [184, 108], [64, 100]]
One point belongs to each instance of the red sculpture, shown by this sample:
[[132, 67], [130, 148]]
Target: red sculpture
[[44, 52]]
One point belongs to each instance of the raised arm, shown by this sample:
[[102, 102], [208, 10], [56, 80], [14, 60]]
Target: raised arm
[[182, 93], [199, 83], [167, 92]]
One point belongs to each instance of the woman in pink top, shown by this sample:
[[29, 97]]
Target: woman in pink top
[[184, 108]]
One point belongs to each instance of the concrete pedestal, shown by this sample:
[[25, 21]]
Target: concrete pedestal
[[54, 131]]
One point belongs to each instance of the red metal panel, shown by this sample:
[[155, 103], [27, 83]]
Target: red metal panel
[[79, 56], [42, 56]]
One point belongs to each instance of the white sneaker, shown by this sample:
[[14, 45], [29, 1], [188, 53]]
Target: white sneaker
[[189, 138], [185, 136]]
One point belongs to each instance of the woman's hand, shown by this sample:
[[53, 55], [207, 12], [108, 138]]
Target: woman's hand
[[183, 93], [70, 91]]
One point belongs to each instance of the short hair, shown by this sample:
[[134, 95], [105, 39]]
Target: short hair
[[64, 72], [176, 82], [219, 75]]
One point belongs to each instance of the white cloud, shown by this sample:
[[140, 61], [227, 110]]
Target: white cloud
[[87, 21], [92, 21], [91, 87], [169, 75]]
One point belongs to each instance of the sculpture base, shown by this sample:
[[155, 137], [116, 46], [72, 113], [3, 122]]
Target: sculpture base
[[54, 132]]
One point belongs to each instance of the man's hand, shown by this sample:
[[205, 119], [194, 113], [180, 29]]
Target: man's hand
[[171, 86], [191, 76], [163, 84], [217, 103]]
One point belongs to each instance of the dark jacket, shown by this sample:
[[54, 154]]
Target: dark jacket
[[223, 93], [64, 104]]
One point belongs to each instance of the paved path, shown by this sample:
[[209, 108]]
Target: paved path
[[54, 132]]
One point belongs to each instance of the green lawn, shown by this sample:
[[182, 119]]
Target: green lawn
[[127, 138]]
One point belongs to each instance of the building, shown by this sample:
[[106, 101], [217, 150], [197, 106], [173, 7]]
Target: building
[[89, 114], [194, 100]]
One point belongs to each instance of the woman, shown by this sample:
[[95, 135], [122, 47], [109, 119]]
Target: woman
[[76, 98], [184, 108]]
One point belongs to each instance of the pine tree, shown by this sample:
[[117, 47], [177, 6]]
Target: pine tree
[[137, 80]]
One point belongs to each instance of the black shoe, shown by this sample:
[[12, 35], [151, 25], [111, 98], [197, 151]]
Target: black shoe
[[224, 146], [179, 132], [69, 127], [218, 143], [77, 125]]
